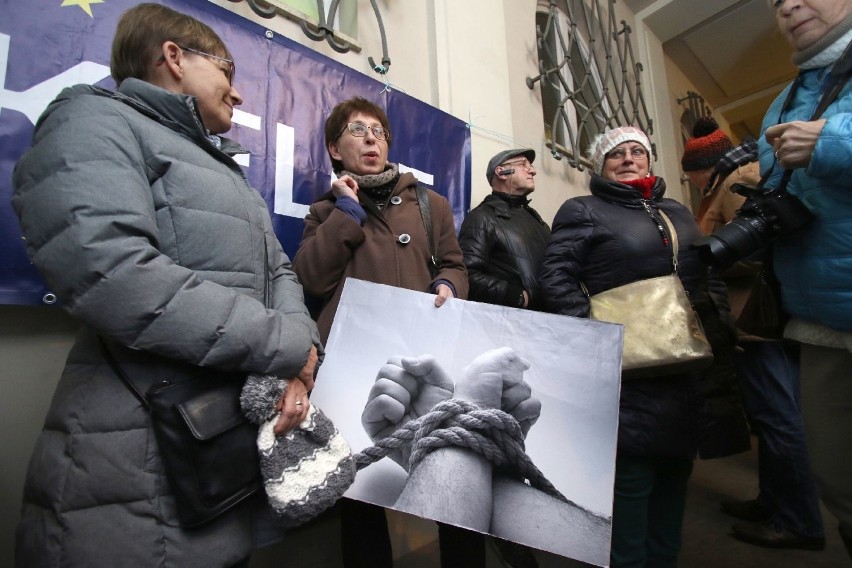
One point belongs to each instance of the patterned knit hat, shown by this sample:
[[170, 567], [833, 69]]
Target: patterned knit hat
[[706, 147], [605, 142], [304, 471]]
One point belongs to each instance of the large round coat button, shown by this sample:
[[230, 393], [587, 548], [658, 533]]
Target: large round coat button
[[396, 200], [404, 238]]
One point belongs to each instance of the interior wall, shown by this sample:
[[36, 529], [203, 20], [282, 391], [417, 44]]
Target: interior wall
[[679, 85], [475, 67]]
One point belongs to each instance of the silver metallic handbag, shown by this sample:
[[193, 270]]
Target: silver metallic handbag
[[662, 333]]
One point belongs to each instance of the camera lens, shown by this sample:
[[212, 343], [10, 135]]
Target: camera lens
[[762, 219], [736, 240]]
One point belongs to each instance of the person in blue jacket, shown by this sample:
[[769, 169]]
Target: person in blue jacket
[[814, 263]]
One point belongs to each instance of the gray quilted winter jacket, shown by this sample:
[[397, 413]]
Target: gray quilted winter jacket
[[152, 237]]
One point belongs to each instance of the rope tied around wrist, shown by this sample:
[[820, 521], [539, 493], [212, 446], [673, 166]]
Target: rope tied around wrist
[[490, 433]]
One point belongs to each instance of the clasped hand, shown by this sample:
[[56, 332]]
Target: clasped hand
[[794, 142], [407, 388], [293, 404]]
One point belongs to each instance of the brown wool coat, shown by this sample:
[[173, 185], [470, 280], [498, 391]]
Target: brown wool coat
[[334, 246], [717, 209]]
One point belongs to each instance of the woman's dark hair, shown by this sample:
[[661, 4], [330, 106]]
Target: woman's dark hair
[[339, 118], [143, 29]]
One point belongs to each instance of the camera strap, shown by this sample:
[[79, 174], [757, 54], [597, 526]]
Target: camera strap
[[839, 75]]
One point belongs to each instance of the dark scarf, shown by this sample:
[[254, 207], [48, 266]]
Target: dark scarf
[[378, 187]]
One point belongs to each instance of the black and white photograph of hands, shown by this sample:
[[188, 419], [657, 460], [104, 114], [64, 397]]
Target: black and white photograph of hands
[[499, 420]]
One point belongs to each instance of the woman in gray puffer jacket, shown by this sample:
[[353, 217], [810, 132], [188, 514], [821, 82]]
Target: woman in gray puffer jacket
[[144, 226]]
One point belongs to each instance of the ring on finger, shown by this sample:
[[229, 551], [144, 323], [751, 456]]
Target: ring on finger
[[777, 156], [298, 403]]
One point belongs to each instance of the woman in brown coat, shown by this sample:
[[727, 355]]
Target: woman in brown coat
[[369, 226]]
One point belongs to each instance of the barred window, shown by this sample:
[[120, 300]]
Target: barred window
[[588, 76], [313, 15]]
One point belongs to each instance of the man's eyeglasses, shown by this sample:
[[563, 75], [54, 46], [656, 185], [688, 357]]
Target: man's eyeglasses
[[522, 164], [232, 68], [637, 153], [359, 130]]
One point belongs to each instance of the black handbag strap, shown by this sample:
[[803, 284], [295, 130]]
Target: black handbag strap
[[116, 368], [426, 215]]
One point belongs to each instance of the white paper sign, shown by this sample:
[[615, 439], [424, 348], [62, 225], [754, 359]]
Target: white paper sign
[[574, 370]]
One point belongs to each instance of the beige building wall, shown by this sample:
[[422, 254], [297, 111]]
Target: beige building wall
[[471, 58]]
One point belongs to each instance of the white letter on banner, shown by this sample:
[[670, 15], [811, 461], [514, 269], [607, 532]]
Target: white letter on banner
[[32, 102], [250, 121], [428, 179], [285, 148]]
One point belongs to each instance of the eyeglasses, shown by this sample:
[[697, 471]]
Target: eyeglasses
[[359, 130], [232, 68], [637, 153], [523, 164]]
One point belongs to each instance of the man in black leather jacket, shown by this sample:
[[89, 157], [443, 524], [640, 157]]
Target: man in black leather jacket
[[503, 241], [503, 238]]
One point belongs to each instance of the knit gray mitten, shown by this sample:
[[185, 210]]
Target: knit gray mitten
[[304, 471]]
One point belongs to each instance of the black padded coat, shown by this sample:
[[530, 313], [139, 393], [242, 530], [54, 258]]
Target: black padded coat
[[614, 237]]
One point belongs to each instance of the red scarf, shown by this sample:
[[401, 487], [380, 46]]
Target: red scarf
[[645, 185]]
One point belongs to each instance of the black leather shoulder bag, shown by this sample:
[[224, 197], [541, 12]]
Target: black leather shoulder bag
[[208, 447]]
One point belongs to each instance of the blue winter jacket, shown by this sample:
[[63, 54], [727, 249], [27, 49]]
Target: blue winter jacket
[[814, 264]]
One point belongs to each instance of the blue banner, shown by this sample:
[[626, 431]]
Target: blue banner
[[47, 45]]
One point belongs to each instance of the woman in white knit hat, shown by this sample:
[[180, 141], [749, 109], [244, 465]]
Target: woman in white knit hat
[[610, 238]]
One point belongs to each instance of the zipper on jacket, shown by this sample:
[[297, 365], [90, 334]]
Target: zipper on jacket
[[664, 235], [266, 272]]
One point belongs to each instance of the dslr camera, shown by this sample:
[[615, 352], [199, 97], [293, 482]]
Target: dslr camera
[[765, 216]]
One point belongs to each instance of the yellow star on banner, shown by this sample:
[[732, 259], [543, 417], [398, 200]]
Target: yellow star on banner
[[84, 4]]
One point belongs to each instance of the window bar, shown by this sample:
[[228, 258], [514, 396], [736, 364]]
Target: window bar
[[590, 71]]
